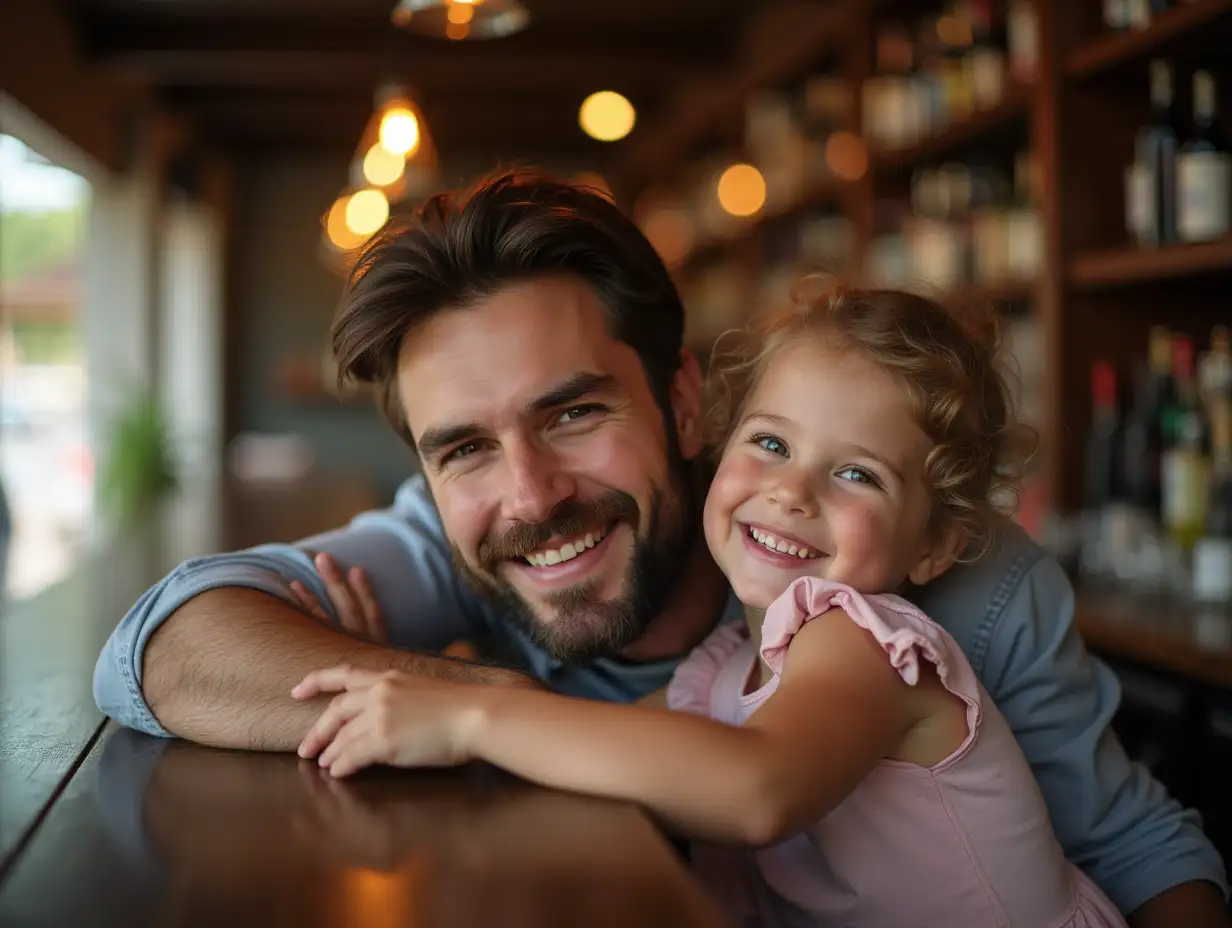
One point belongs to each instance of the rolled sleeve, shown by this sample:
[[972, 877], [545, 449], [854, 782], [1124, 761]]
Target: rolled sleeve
[[117, 674], [402, 550], [1113, 818]]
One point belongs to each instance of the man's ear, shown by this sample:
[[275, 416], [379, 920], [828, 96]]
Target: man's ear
[[945, 547], [686, 400]]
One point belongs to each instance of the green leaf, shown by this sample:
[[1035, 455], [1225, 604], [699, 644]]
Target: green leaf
[[141, 466]]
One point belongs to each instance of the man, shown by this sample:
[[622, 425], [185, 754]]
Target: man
[[526, 341]]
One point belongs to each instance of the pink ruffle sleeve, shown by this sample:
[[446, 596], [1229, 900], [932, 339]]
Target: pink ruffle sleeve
[[905, 633], [692, 684]]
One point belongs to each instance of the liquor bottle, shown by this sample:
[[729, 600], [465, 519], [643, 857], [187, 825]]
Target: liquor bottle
[[1179, 391], [985, 62], [1143, 443], [1185, 475], [1150, 182], [1204, 171], [1103, 452], [1138, 13], [1116, 14], [1022, 39], [1212, 553]]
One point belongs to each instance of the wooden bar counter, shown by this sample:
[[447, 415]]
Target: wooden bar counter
[[1159, 632], [152, 832], [103, 826]]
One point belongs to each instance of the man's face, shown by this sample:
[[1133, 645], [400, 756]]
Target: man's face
[[560, 491]]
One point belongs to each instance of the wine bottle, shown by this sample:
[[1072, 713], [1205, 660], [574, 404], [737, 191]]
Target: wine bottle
[[1143, 443], [1212, 553], [1151, 180], [1116, 14], [1103, 468], [1184, 467], [1204, 171]]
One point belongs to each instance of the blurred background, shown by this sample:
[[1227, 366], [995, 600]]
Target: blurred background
[[183, 183]]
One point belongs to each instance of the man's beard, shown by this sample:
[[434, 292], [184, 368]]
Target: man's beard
[[585, 626]]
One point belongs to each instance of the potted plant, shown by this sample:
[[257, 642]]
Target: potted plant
[[141, 466]]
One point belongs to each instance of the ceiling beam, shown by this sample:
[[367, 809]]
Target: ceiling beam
[[457, 123], [150, 26], [309, 69]]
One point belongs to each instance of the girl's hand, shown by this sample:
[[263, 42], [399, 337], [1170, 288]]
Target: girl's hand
[[388, 718], [352, 598]]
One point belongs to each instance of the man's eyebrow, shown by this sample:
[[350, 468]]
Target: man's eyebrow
[[439, 437], [572, 390]]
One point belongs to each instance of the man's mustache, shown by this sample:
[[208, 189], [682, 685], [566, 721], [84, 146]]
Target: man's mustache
[[571, 517]]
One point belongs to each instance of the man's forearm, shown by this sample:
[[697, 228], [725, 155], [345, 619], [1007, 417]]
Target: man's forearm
[[1196, 905], [219, 670]]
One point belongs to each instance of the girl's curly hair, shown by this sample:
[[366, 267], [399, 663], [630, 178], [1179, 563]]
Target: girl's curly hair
[[949, 365]]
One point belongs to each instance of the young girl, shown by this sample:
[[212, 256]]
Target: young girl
[[841, 738]]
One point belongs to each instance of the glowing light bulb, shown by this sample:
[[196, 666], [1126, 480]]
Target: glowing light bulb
[[366, 211], [742, 190], [606, 116], [399, 132], [381, 166], [340, 234]]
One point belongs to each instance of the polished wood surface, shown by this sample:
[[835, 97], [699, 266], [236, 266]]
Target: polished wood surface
[[48, 647], [1159, 632], [153, 832], [49, 644]]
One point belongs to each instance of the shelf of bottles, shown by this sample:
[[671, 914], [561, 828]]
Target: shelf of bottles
[[1177, 172], [1158, 470], [936, 140], [1136, 29]]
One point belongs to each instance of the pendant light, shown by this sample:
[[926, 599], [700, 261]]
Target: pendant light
[[395, 160], [461, 19]]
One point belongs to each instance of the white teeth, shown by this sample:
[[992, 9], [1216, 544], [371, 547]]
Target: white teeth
[[782, 547], [566, 552]]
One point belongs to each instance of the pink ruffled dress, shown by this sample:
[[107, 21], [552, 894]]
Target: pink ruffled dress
[[966, 842]]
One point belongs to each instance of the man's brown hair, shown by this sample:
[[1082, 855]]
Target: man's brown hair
[[461, 246]]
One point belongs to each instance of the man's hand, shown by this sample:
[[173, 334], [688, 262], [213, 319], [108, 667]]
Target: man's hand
[[351, 595]]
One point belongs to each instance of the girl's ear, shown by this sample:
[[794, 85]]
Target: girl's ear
[[944, 549]]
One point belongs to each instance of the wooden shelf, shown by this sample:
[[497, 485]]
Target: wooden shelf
[[815, 33], [1118, 49], [1123, 266], [1160, 632], [1014, 106], [819, 196], [998, 294]]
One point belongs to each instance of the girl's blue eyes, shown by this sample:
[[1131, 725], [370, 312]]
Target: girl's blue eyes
[[857, 475], [775, 445], [771, 443]]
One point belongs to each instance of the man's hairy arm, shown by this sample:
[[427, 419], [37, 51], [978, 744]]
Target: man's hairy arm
[[220, 669]]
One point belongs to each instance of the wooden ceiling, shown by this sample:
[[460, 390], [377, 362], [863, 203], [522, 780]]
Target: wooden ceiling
[[301, 73]]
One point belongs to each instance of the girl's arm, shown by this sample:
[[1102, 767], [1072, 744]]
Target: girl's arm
[[839, 709]]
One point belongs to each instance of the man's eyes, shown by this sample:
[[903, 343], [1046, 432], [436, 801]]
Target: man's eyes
[[466, 449], [581, 411]]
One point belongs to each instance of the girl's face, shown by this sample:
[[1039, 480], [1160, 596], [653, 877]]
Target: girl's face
[[824, 476]]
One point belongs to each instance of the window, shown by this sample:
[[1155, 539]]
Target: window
[[46, 469]]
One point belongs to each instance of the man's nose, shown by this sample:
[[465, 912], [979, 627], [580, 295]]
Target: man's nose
[[537, 483]]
